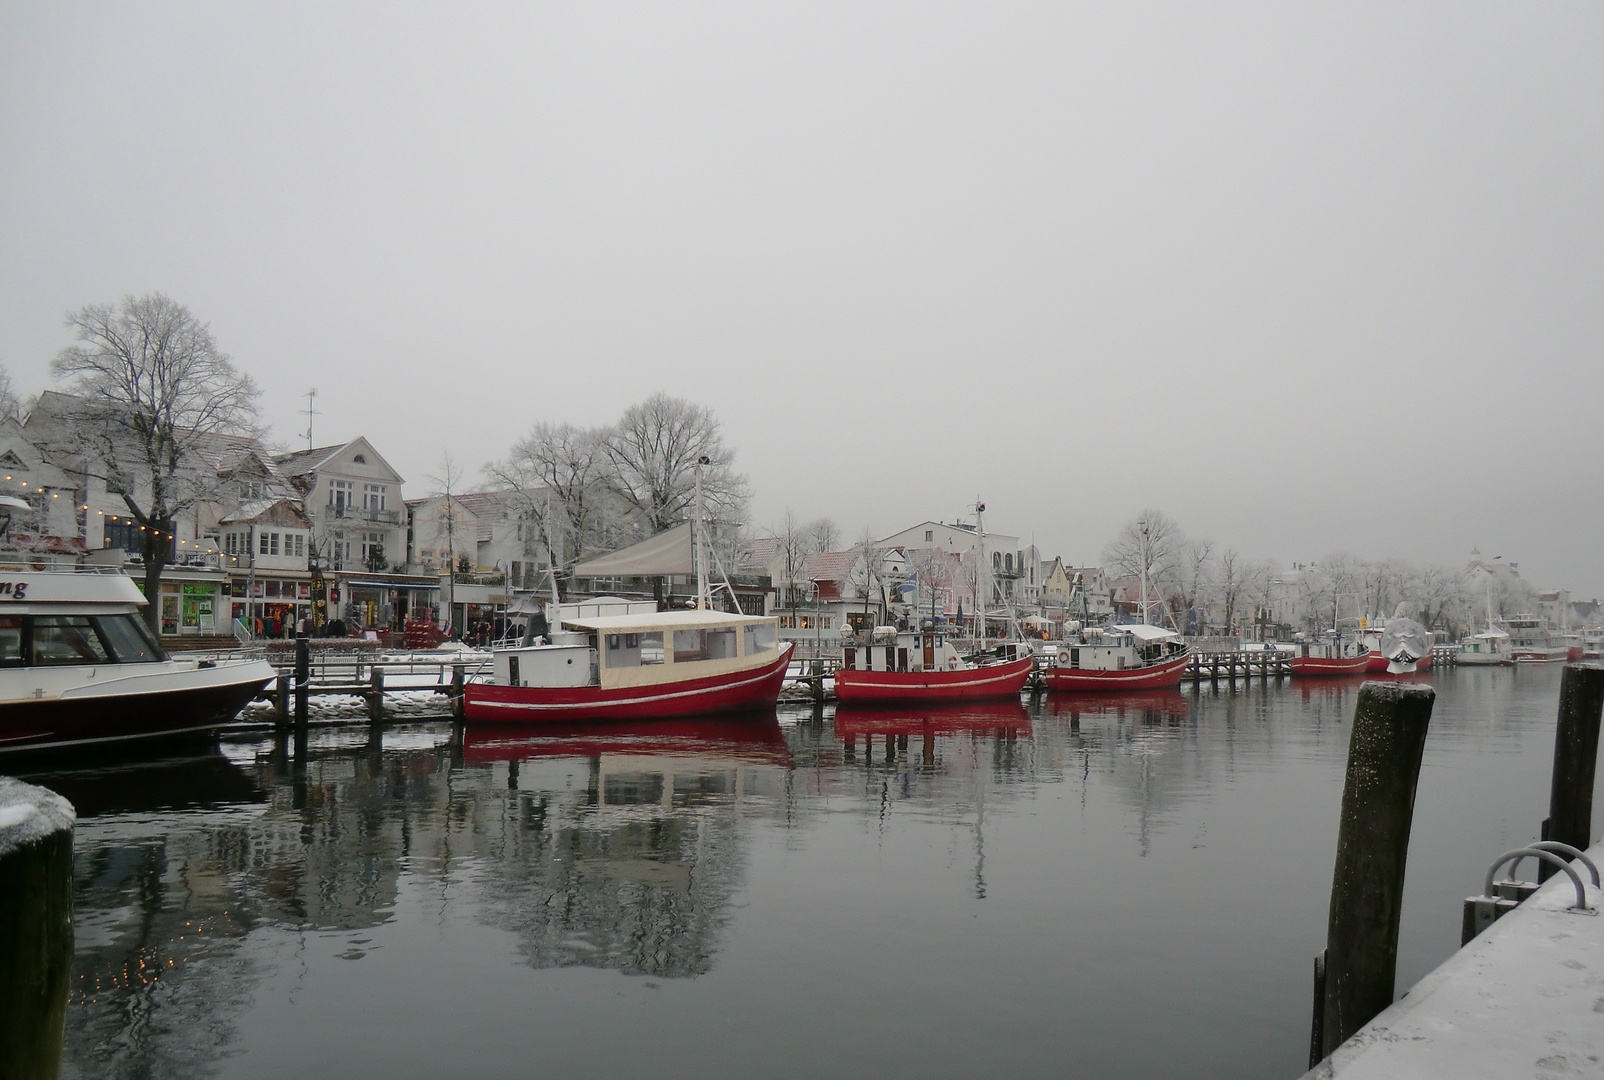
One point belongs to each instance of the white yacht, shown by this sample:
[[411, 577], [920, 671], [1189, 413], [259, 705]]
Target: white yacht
[[79, 666]]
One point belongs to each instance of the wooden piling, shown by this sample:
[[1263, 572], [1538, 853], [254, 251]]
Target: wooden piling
[[458, 680], [281, 701], [1570, 793], [35, 928], [303, 677], [1378, 804], [376, 694]]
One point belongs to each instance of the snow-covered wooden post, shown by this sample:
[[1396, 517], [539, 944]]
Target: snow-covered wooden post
[[1378, 804], [1570, 795], [35, 927]]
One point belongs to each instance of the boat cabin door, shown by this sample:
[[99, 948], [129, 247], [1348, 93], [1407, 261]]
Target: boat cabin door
[[930, 651]]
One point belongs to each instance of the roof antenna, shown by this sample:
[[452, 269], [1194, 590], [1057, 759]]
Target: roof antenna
[[310, 412]]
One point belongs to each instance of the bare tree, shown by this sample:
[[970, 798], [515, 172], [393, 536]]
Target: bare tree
[[1147, 547], [150, 387], [825, 534], [793, 548], [1231, 580], [653, 452], [1263, 584], [868, 575], [10, 404], [556, 478], [1193, 568]]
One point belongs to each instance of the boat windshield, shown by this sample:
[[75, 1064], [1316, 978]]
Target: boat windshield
[[760, 637], [67, 639], [58, 640]]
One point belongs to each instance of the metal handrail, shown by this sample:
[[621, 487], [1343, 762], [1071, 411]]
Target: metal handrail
[[1546, 856], [1574, 854]]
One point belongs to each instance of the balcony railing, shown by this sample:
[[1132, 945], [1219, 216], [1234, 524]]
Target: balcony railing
[[360, 513]]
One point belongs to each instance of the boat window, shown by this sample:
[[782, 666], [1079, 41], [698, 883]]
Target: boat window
[[10, 640], [634, 650], [129, 639], [66, 639], [760, 638], [717, 643]]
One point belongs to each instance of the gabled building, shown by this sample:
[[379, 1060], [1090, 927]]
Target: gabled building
[[352, 498]]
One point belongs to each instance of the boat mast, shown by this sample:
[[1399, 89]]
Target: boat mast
[[703, 600], [982, 593], [1145, 549]]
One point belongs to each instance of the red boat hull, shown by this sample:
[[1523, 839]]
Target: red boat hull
[[1165, 675], [990, 681], [1342, 665], [754, 688]]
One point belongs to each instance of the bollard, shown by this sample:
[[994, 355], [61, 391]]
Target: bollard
[[376, 694], [1378, 803], [303, 677], [35, 928], [1570, 793]]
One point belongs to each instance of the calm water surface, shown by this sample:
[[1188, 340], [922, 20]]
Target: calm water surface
[[1121, 887]]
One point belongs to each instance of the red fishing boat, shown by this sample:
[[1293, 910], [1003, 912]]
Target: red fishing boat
[[1131, 656], [922, 665], [624, 660], [1331, 655]]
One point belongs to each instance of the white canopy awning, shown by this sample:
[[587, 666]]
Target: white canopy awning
[[1142, 632], [663, 555]]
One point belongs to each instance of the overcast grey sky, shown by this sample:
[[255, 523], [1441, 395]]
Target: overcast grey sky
[[1079, 259]]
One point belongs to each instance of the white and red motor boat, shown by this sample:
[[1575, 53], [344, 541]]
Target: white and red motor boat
[[1534, 643], [1371, 636], [1130, 656], [923, 665], [78, 666], [1331, 655], [625, 660]]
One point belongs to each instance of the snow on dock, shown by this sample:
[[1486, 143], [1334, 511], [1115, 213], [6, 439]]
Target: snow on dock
[[1524, 998]]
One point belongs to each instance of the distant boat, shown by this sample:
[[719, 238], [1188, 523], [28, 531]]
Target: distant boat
[[1330, 655], [923, 666], [1489, 648], [1127, 656], [1534, 643]]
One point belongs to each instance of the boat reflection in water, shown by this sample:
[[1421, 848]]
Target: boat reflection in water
[[855, 722], [1155, 706], [752, 738]]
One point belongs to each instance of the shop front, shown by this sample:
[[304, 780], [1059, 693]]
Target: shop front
[[272, 605], [192, 603]]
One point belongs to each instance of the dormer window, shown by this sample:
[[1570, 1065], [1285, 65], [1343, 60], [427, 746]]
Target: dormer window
[[11, 461], [250, 489]]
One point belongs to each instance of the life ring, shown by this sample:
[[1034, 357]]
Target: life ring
[[952, 663]]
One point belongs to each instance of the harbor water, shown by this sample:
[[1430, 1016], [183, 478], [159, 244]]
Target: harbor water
[[1116, 887]]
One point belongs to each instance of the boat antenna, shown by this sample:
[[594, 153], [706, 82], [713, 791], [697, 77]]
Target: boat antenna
[[1146, 549], [703, 600]]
